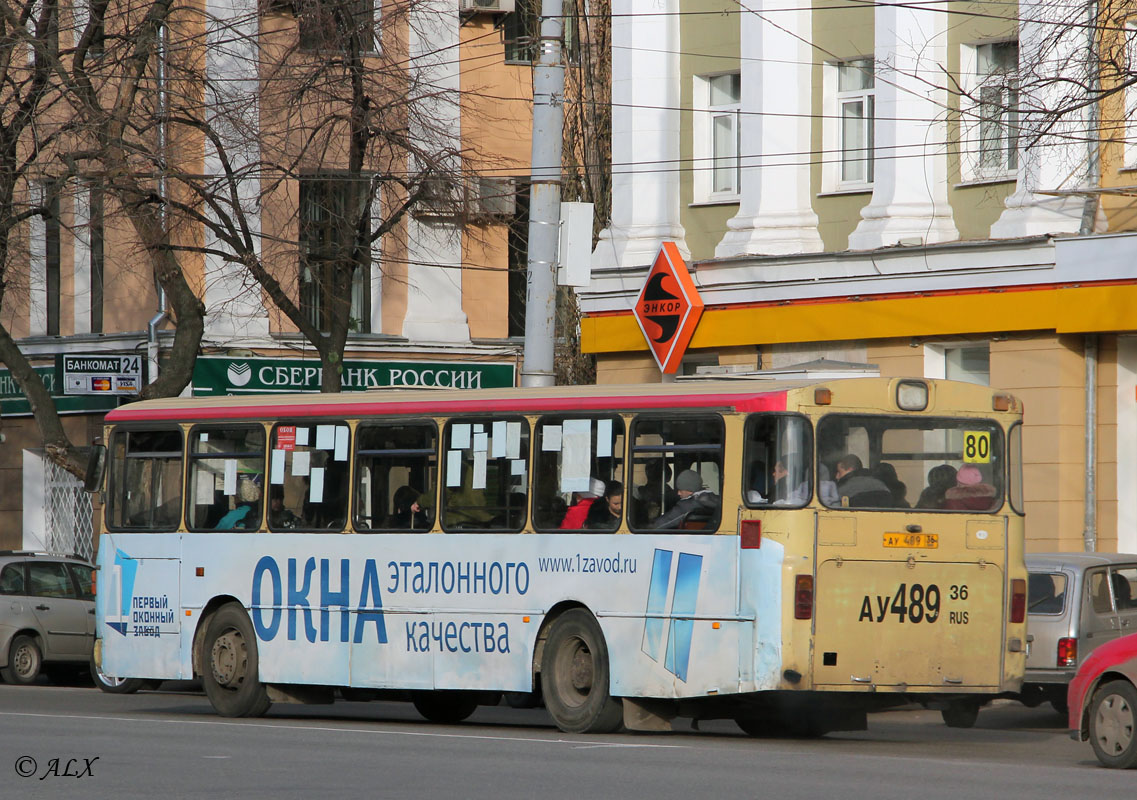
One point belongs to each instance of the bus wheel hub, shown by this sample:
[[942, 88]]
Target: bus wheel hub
[[227, 659]]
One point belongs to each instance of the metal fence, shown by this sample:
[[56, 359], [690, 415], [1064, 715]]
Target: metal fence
[[68, 513]]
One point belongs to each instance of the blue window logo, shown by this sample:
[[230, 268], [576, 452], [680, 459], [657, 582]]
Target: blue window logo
[[680, 627]]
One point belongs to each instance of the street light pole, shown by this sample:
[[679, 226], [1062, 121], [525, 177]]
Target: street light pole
[[545, 201]]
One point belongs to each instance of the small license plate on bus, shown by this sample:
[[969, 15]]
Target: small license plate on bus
[[928, 541]]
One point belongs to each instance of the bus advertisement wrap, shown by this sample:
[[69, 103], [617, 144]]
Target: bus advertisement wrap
[[324, 612]]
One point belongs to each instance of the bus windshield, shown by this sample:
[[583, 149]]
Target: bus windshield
[[885, 462]]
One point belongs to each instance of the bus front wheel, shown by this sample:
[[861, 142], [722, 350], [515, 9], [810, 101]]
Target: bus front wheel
[[231, 670], [960, 713], [575, 676]]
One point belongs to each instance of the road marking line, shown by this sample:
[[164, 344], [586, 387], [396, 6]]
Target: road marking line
[[322, 729]]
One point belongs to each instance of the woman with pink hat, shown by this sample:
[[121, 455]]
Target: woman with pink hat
[[970, 491]]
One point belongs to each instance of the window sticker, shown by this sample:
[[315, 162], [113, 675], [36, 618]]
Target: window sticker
[[300, 463], [460, 436], [499, 427], [551, 439], [326, 437], [603, 438], [479, 469], [576, 455], [341, 442], [230, 477], [481, 443], [513, 440], [453, 468], [301, 437], [206, 485], [316, 490], [276, 474]]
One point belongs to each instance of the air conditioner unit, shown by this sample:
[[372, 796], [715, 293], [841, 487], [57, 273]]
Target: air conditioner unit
[[486, 6]]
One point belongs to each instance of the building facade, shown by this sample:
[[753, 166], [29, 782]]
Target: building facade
[[887, 184], [438, 303]]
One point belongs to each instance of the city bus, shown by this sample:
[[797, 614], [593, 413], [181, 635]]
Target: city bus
[[790, 555]]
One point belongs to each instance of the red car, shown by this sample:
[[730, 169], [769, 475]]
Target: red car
[[1103, 702]]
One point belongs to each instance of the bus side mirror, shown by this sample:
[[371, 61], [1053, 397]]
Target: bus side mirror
[[96, 465]]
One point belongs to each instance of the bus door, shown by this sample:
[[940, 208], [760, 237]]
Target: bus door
[[910, 584], [138, 606]]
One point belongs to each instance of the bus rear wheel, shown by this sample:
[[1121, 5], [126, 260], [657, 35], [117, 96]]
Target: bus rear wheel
[[231, 665], [960, 713], [445, 707], [575, 676]]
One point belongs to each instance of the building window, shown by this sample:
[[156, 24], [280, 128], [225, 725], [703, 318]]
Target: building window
[[716, 137], [967, 361], [990, 110], [337, 25], [517, 264], [520, 31], [86, 14], [329, 230], [51, 250], [856, 112]]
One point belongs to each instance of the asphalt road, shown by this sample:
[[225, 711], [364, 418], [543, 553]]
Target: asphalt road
[[79, 742]]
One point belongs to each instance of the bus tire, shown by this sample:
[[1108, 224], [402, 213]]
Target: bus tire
[[1113, 725], [24, 661], [960, 713], [445, 707], [575, 676], [112, 685], [231, 675]]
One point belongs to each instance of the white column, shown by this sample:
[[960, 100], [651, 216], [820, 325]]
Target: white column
[[34, 502], [234, 303], [645, 135], [910, 192], [1052, 153], [434, 246], [775, 214]]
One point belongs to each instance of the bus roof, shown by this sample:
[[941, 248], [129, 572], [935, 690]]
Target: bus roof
[[744, 396]]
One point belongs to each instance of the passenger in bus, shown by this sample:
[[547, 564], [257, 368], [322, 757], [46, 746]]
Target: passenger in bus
[[578, 512], [279, 517], [759, 483], [940, 479], [859, 488], [655, 496], [697, 505], [605, 512], [887, 474], [246, 514], [827, 487], [970, 491], [784, 494], [410, 510]]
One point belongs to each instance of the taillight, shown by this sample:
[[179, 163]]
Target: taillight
[[750, 534], [1068, 652], [1018, 600], [803, 597]]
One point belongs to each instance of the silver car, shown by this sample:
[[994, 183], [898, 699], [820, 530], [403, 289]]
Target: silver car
[[47, 615], [1076, 602]]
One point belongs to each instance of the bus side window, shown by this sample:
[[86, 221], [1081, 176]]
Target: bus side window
[[145, 487], [226, 484], [396, 477], [486, 474], [578, 473], [776, 461], [308, 476], [676, 474]]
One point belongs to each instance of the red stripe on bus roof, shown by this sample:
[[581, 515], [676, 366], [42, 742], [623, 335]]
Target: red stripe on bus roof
[[749, 402]]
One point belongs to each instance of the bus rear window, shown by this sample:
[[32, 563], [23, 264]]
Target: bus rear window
[[929, 463]]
